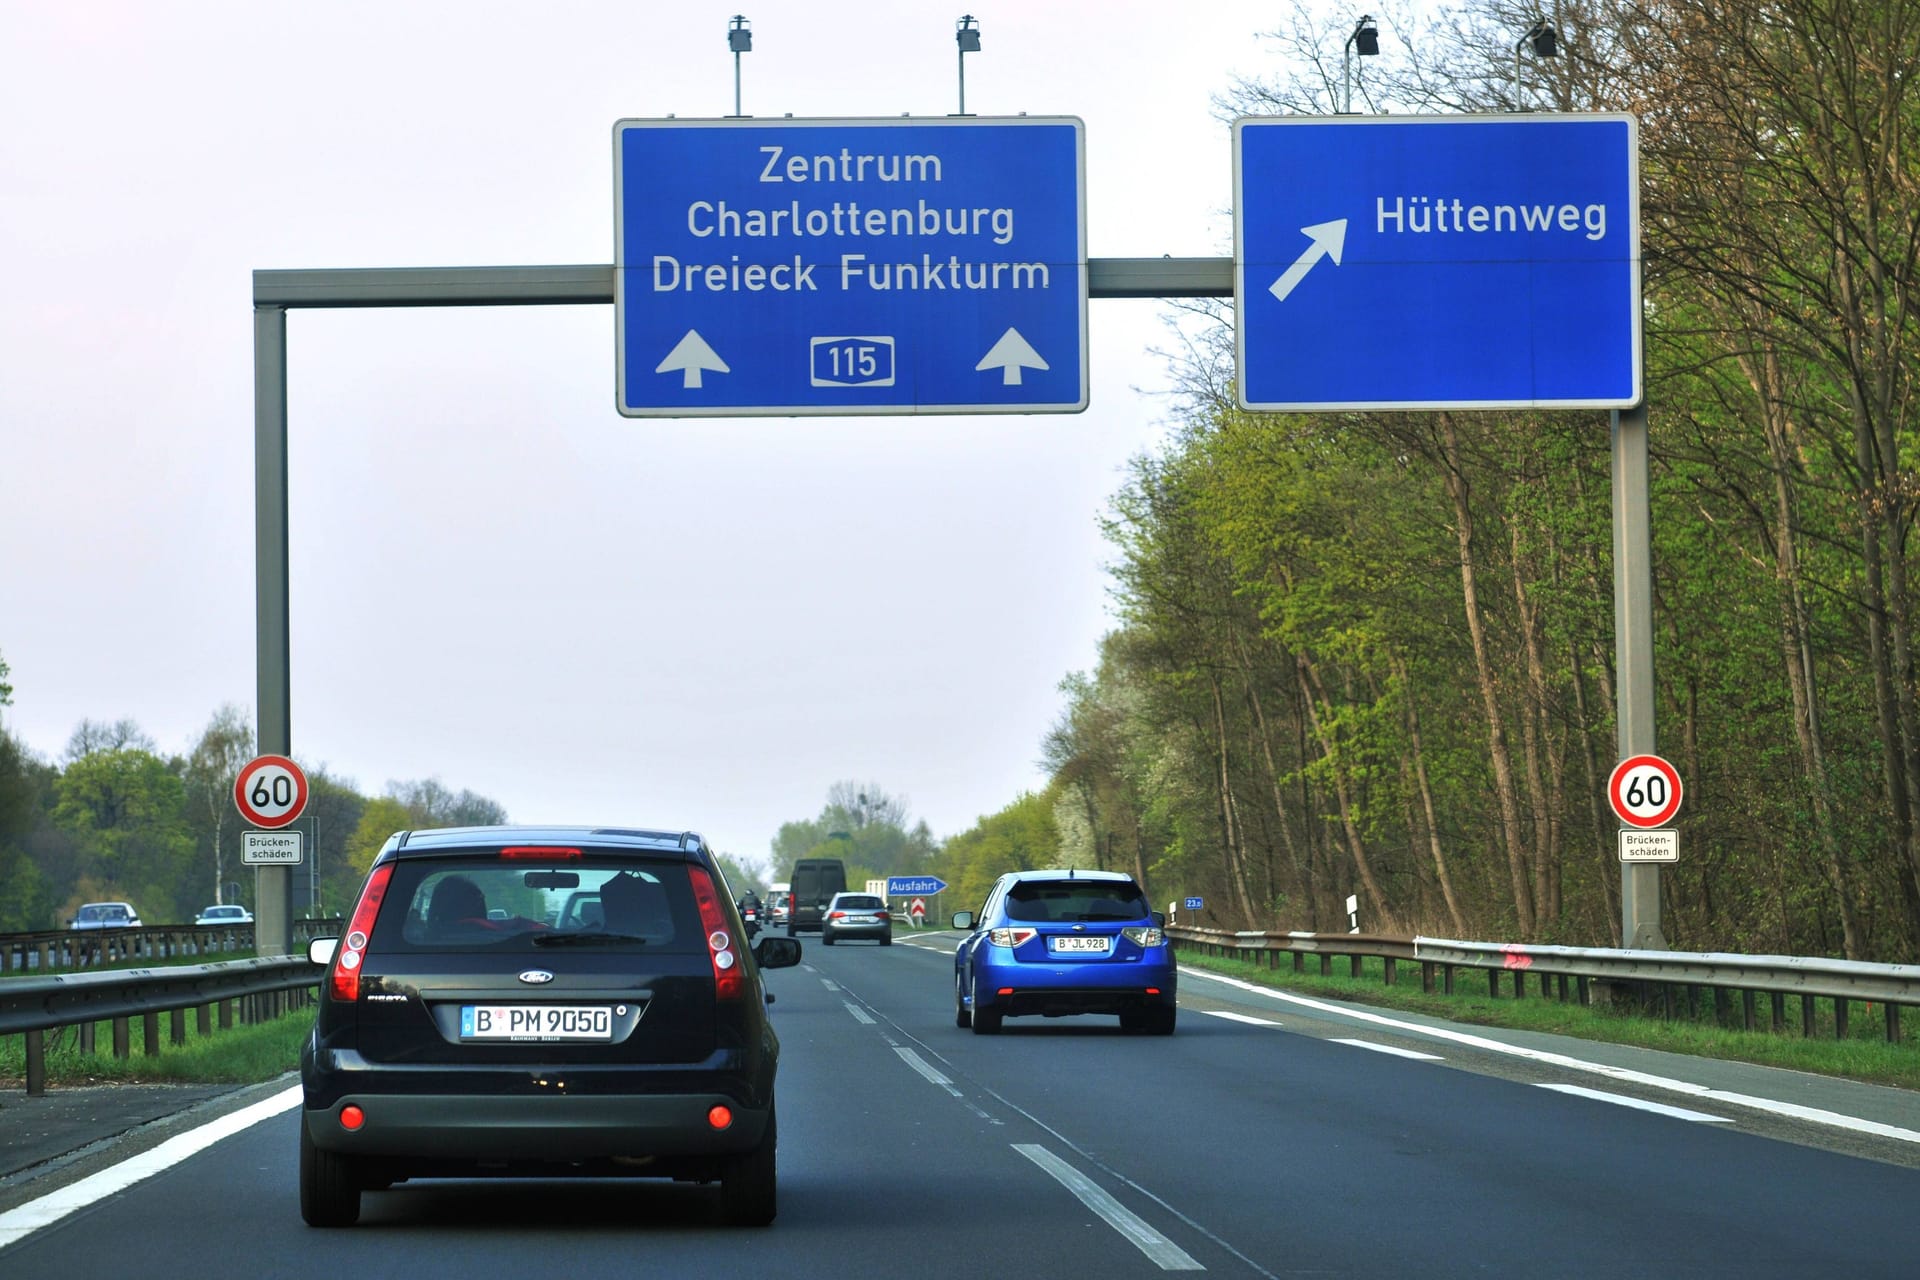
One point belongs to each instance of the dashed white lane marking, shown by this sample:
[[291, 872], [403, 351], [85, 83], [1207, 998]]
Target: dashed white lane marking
[[1395, 1050], [926, 1069], [829, 984], [17, 1224], [1704, 1093], [1164, 1252], [1638, 1104], [859, 1014], [1247, 1018]]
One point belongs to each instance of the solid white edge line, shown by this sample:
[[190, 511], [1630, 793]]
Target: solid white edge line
[[17, 1224], [1638, 1104], [1167, 1255], [1395, 1050], [1772, 1106], [1247, 1018]]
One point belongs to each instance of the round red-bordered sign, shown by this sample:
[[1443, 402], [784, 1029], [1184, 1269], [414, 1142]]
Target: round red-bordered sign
[[270, 791], [1644, 791]]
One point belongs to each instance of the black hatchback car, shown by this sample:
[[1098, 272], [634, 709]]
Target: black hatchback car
[[522, 1002]]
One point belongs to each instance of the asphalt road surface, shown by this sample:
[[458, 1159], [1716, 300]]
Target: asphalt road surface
[[1267, 1137]]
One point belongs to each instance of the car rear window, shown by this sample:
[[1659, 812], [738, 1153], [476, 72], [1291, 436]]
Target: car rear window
[[485, 903], [860, 902], [1038, 901], [102, 911]]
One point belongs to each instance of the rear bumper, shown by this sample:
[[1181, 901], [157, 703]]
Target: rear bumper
[[456, 1127], [1062, 990], [839, 931]]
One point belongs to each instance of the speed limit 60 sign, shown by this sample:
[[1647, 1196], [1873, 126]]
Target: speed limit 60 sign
[[270, 791], [1644, 791]]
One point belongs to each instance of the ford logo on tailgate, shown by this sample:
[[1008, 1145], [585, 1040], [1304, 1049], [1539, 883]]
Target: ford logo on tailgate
[[536, 976]]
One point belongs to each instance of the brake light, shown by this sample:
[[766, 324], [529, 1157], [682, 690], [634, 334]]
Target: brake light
[[1009, 937], [728, 982], [1145, 937], [345, 981], [539, 853], [836, 915]]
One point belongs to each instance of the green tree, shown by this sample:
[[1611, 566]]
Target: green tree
[[23, 889], [224, 747], [127, 810], [1020, 837], [381, 818]]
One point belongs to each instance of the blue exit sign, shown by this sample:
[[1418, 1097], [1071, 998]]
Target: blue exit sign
[[1432, 262]]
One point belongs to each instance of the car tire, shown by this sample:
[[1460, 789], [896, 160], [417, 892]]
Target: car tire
[[887, 940], [986, 1018], [826, 939], [329, 1188], [961, 1017], [749, 1184], [1160, 1021], [1133, 1020]]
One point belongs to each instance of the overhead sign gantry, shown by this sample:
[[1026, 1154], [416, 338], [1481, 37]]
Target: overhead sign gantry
[[801, 267]]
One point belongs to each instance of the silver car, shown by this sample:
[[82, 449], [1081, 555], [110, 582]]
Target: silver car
[[105, 915], [856, 915]]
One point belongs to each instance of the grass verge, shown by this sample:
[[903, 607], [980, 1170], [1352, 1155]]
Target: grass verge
[[239, 1055], [1863, 1055]]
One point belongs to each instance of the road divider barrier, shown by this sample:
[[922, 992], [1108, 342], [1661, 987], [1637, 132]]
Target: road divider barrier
[[1661, 980]]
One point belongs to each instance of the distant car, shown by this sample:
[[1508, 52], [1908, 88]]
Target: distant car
[[615, 1023], [1059, 943], [105, 915], [778, 904], [228, 914], [856, 915]]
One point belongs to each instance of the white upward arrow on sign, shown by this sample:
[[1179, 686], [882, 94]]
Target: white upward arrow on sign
[[690, 356], [1328, 239], [1009, 355]]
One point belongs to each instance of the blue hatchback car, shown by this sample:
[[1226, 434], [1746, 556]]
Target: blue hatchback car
[[1059, 943]]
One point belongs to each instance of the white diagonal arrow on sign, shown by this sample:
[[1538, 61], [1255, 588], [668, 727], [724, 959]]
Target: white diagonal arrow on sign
[[690, 356], [1328, 239], [1009, 355]]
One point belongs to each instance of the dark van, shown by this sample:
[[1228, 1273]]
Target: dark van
[[813, 884]]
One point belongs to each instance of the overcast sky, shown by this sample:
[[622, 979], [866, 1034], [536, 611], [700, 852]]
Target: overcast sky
[[496, 579]]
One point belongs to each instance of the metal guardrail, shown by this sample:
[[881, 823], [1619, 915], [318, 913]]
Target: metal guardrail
[[1585, 973], [44, 951], [260, 989]]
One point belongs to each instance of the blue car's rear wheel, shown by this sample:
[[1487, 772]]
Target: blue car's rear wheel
[[986, 1018]]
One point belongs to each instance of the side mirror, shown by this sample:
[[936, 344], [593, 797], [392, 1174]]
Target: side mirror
[[963, 919], [320, 950], [777, 953], [1160, 918]]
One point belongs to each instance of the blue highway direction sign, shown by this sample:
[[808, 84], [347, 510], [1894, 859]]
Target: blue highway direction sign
[[1432, 262], [912, 886], [781, 267]]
